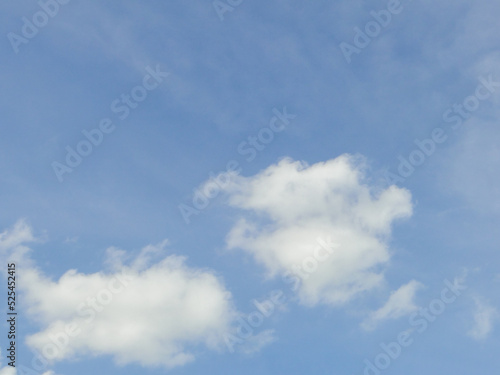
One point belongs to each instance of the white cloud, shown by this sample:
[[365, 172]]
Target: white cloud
[[12, 241], [147, 312], [7, 370], [290, 205], [484, 317], [400, 303]]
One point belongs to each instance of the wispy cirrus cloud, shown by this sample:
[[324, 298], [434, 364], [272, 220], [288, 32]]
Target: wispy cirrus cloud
[[484, 319], [400, 303]]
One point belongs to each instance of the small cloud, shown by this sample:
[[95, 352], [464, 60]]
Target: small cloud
[[257, 342], [484, 317], [400, 303], [12, 242], [7, 370]]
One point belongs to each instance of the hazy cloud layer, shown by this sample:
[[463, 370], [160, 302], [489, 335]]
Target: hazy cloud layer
[[484, 319]]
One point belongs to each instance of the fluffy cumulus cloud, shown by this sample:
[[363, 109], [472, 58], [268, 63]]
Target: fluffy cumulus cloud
[[484, 319], [322, 226], [12, 371], [151, 309], [7, 370], [400, 303]]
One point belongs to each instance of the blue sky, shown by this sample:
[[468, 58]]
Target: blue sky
[[337, 163]]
